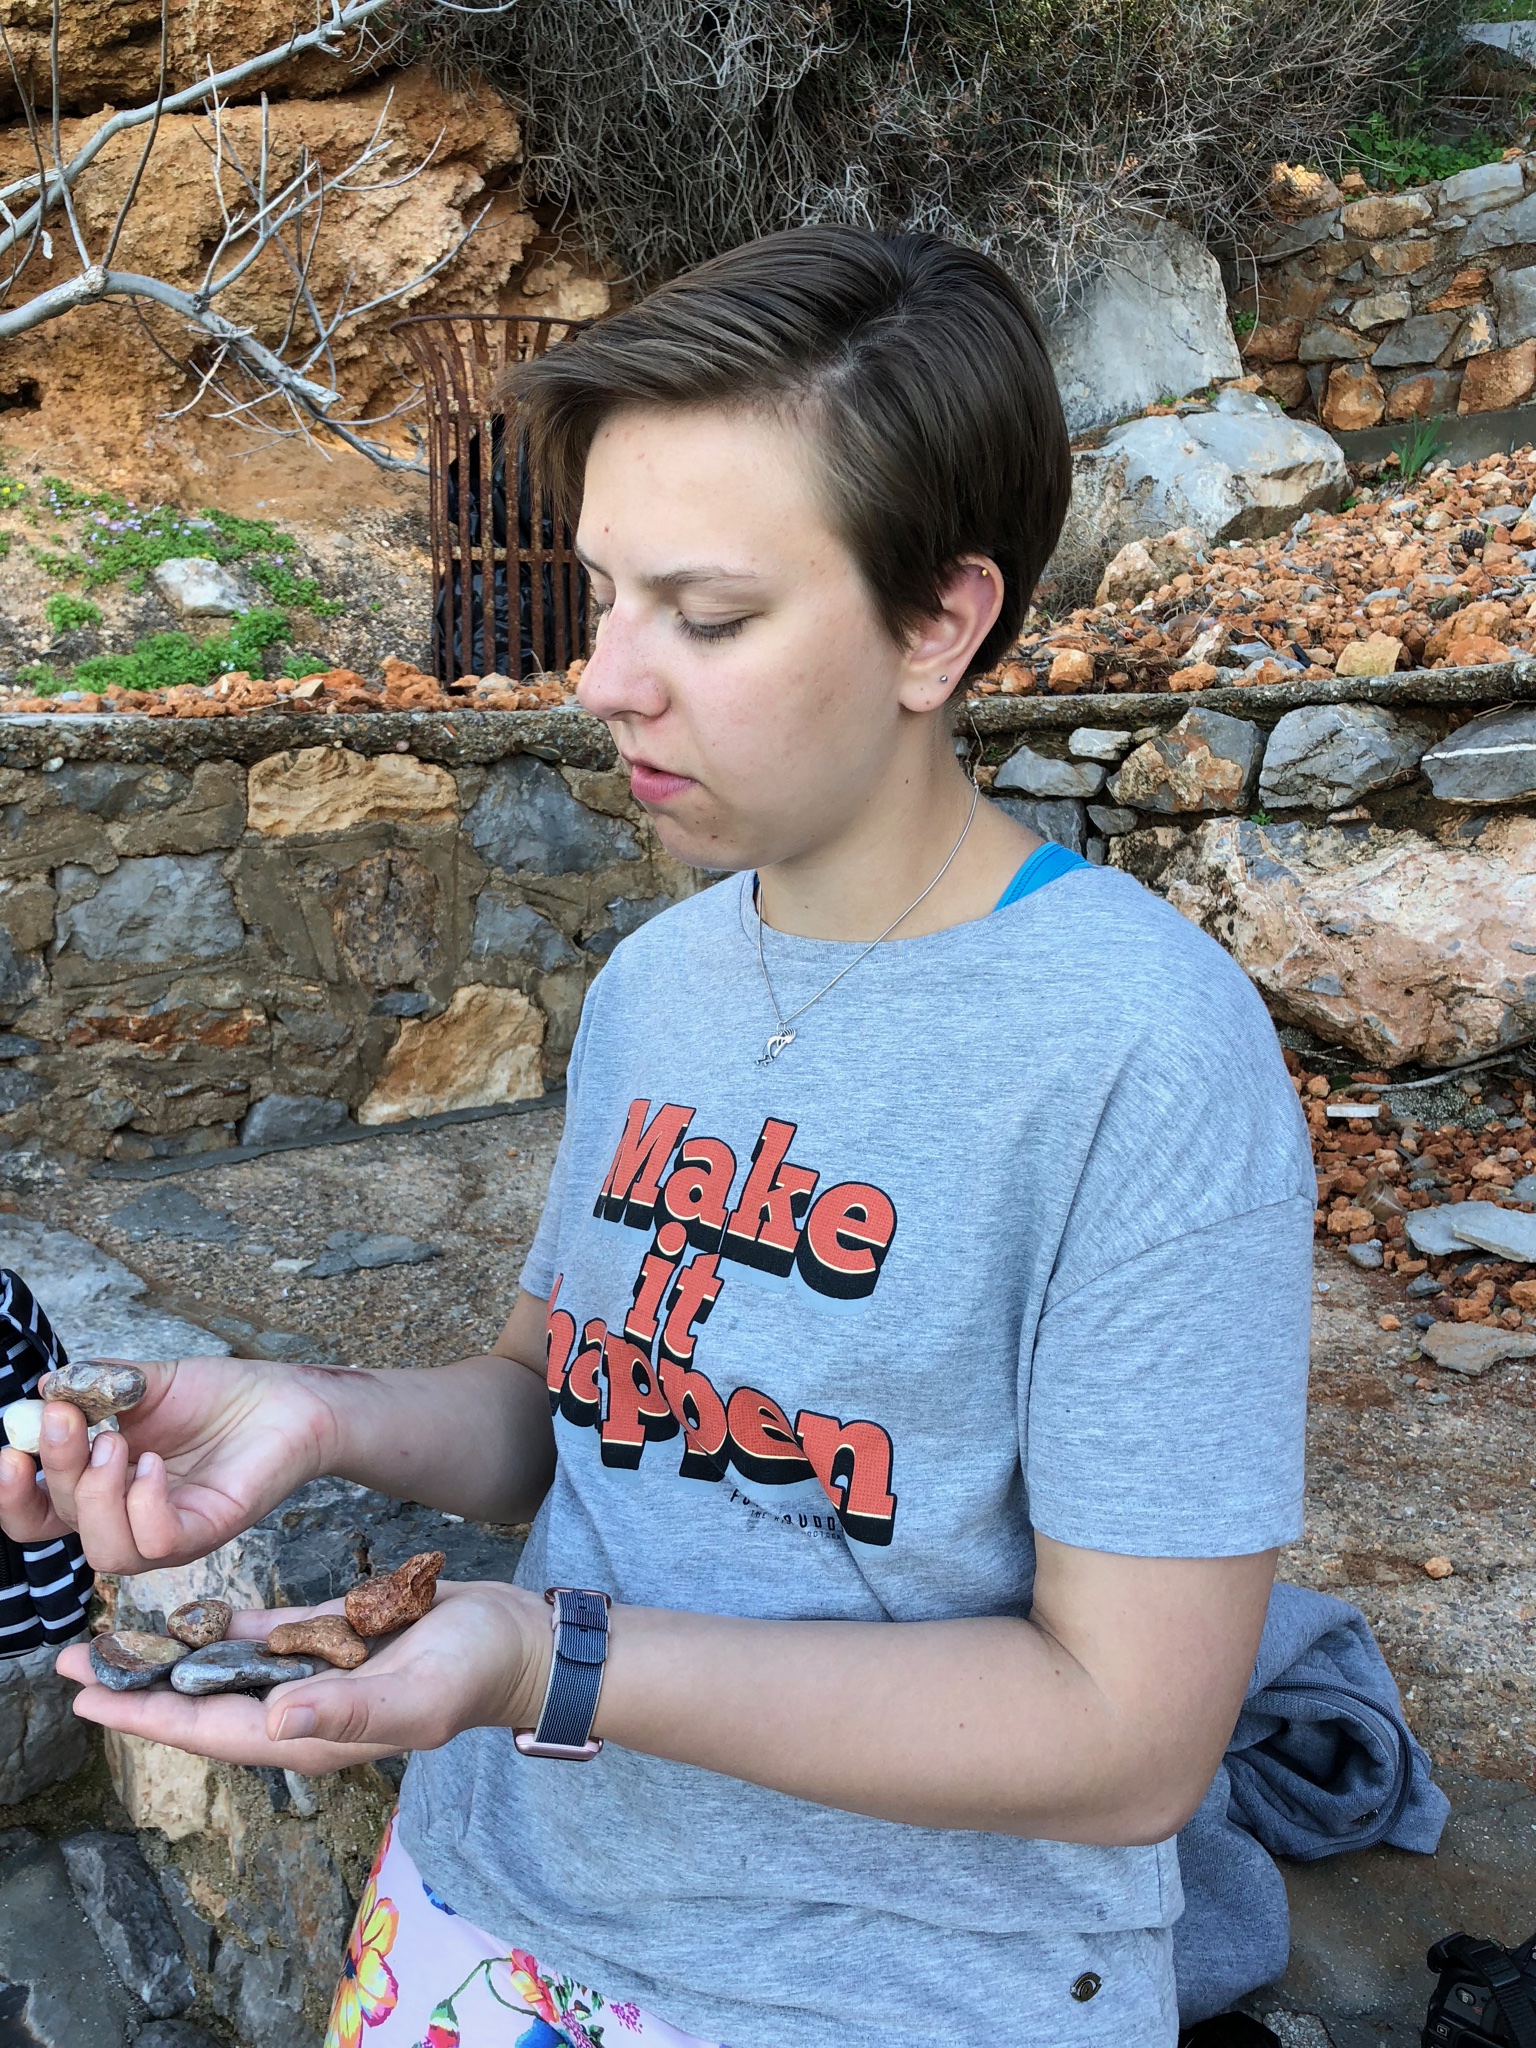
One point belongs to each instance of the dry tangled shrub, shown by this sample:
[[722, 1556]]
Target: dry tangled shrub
[[1036, 129]]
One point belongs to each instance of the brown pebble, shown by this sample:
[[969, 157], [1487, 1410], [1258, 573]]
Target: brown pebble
[[94, 1387], [197, 1623], [377, 1607], [328, 1636], [1438, 1568]]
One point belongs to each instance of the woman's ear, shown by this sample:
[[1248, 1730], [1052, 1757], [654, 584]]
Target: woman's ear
[[944, 643]]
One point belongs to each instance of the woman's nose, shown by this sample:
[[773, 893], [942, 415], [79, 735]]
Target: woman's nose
[[617, 681]]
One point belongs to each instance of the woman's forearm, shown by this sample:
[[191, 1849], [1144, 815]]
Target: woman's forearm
[[989, 1724], [473, 1438]]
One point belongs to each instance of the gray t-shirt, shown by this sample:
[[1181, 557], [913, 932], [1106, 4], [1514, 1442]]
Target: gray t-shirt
[[1015, 1235]]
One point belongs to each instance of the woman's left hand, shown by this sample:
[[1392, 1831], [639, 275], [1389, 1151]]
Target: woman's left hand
[[478, 1659]]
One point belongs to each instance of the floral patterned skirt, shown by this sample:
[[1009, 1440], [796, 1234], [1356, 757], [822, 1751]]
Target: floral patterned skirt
[[417, 1975]]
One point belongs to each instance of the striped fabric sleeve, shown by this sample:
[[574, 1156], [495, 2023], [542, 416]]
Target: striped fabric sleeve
[[44, 1587]]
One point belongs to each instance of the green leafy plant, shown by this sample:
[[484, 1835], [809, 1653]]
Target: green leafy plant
[[41, 678], [1391, 154], [1259, 818], [1417, 449], [65, 613], [298, 666], [11, 492], [164, 661], [1244, 320]]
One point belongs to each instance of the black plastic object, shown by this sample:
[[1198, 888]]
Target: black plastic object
[[490, 648], [1485, 1994], [1229, 2030], [44, 1587]]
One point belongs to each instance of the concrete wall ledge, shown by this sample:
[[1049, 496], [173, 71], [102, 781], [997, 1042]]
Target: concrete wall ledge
[[1471, 689], [573, 740], [454, 739]]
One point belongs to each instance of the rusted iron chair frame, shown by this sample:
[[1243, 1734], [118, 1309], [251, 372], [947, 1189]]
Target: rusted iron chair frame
[[462, 358]]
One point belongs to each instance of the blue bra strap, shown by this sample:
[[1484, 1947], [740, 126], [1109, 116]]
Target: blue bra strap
[[1044, 865]]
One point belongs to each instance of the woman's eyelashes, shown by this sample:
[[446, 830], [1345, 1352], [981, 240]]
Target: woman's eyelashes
[[716, 629]]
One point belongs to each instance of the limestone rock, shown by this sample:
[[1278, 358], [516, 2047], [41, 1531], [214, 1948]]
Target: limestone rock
[[1325, 343], [1098, 743], [150, 912], [485, 1047], [1500, 379], [1375, 656], [41, 1741], [332, 789], [167, 1789], [1038, 775], [1204, 763], [1239, 471], [1507, 1233], [527, 819], [1371, 219], [1422, 397], [1327, 755], [1380, 309], [515, 934], [1515, 297], [199, 587], [1400, 947], [1478, 336], [1273, 342], [1475, 1348], [292, 1119], [1295, 193], [1354, 398], [1473, 192], [128, 1914], [1489, 760], [1421, 340], [50, 2003], [1060, 819], [94, 1301], [1155, 321], [1143, 566], [1505, 227]]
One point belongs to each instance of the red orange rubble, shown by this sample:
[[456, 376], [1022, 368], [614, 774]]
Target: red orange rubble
[[1364, 1191], [401, 687], [1438, 572]]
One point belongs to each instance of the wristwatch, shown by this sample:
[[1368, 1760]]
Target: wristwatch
[[579, 1618]]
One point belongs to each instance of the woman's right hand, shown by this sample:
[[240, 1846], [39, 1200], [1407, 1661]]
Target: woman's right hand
[[213, 1446]]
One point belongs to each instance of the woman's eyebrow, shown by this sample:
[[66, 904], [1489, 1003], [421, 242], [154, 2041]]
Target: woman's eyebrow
[[680, 578]]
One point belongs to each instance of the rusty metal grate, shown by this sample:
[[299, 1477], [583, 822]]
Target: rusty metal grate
[[508, 593]]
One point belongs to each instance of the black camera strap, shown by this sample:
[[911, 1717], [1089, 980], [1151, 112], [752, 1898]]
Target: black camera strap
[[1510, 1984]]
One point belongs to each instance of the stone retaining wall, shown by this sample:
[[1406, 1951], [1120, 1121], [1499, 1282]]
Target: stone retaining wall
[[257, 929], [1367, 850], [1405, 305], [261, 929]]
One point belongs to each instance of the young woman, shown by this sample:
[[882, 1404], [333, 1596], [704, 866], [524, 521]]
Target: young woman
[[921, 1297]]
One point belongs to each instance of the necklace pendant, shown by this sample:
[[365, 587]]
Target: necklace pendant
[[774, 1047]]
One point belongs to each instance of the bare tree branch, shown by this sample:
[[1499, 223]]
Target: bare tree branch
[[343, 17]]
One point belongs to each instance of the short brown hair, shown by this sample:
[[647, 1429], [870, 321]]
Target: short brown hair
[[921, 364]]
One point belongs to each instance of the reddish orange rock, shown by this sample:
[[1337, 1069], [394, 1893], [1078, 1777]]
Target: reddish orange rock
[[331, 1637], [377, 1607]]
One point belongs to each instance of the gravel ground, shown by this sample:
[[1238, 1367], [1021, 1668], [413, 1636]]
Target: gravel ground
[[1406, 1462]]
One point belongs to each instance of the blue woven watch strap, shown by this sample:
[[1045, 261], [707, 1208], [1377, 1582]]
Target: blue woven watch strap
[[576, 1679]]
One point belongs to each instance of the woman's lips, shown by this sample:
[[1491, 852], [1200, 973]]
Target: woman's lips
[[654, 785]]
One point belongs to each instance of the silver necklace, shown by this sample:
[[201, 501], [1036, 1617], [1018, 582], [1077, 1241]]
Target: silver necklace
[[784, 1037]]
